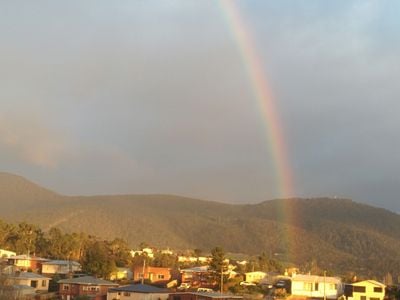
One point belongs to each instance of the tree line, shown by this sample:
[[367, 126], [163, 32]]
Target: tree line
[[101, 257]]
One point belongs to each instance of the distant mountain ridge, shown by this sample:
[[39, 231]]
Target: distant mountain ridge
[[338, 234]]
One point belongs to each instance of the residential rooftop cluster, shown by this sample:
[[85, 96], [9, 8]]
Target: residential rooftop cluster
[[29, 277]]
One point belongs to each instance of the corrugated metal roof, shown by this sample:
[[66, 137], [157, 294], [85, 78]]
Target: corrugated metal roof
[[214, 295], [140, 288], [196, 269], [373, 282], [61, 262], [315, 278], [29, 275], [87, 280], [27, 257]]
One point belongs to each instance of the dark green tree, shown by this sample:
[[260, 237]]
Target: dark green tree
[[97, 260], [120, 252], [218, 264], [268, 264], [164, 260]]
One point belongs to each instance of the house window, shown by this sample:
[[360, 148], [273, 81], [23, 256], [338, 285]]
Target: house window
[[333, 286], [160, 276], [33, 283], [316, 286], [378, 290], [308, 286], [363, 298], [359, 289], [44, 283], [66, 287], [127, 294]]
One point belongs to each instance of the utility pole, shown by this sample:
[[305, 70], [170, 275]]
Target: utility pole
[[324, 285], [222, 278], [144, 267]]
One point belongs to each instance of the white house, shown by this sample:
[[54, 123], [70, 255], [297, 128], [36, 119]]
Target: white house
[[193, 259], [367, 290], [313, 286], [60, 267], [254, 277], [122, 273], [145, 251], [6, 253], [38, 282]]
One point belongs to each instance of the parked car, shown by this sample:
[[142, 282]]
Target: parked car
[[184, 286], [205, 290], [245, 283]]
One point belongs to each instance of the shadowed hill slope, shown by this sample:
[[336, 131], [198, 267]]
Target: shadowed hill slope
[[339, 234], [17, 193]]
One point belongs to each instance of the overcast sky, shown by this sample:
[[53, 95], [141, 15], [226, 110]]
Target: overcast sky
[[106, 97]]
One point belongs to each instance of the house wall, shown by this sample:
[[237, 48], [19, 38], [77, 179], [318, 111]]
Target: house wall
[[152, 273], [6, 253], [122, 274], [41, 284], [254, 277], [369, 293], [22, 263], [26, 263], [315, 289], [58, 269], [73, 290]]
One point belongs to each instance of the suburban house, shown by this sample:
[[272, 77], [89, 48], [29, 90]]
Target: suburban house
[[6, 253], [365, 290], [203, 296], [26, 262], [167, 251], [145, 251], [122, 274], [38, 282], [196, 276], [137, 292], [61, 267], [153, 274], [254, 277], [92, 287], [312, 286], [194, 259]]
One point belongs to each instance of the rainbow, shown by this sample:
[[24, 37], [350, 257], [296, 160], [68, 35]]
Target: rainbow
[[267, 106]]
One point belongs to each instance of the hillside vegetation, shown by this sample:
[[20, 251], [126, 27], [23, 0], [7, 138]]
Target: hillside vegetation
[[336, 234]]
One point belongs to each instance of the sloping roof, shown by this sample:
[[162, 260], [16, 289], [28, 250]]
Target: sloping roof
[[215, 295], [29, 275], [373, 282], [255, 273], [140, 288], [87, 280], [196, 269], [27, 257], [315, 278], [23, 287], [61, 262]]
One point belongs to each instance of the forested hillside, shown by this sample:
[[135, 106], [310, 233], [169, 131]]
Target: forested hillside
[[334, 234]]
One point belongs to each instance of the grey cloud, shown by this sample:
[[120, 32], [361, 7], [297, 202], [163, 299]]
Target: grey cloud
[[142, 98]]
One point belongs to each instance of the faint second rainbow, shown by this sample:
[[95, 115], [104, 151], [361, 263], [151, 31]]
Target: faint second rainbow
[[264, 97]]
